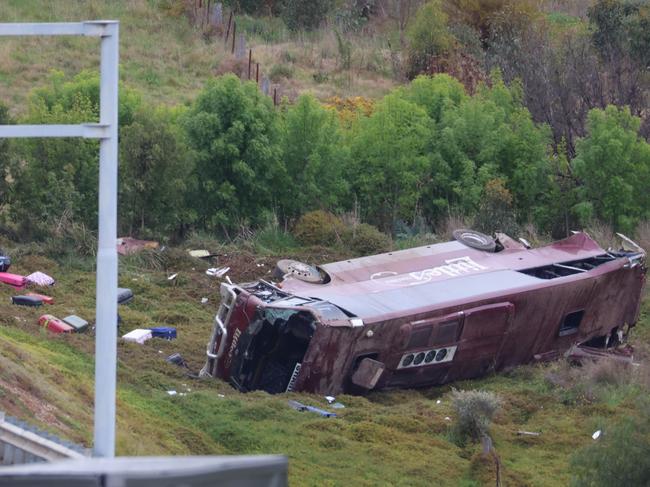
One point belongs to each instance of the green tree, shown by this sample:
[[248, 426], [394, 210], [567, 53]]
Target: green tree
[[427, 36], [233, 129], [613, 165], [5, 169], [435, 94], [60, 176], [305, 14], [315, 156], [154, 173], [621, 28], [391, 163], [491, 135]]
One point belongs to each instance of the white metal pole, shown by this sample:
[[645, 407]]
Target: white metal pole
[[106, 305]]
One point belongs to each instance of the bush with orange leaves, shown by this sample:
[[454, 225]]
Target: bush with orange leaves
[[349, 109]]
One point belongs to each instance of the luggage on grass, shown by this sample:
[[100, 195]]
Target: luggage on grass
[[167, 332], [27, 300], [54, 324], [79, 324], [14, 280]]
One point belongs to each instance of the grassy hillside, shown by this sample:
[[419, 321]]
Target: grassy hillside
[[388, 438], [168, 60]]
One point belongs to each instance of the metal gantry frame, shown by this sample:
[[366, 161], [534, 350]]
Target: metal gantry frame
[[106, 132]]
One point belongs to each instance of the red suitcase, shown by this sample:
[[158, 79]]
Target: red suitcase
[[45, 299], [54, 324], [13, 280]]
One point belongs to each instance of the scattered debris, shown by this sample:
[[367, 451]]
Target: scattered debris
[[580, 353], [79, 324], [201, 254], [204, 300], [330, 399], [26, 300], [172, 392], [220, 272], [19, 282], [298, 406], [177, 359], [221, 395], [129, 245], [54, 324], [137, 336], [40, 279], [45, 299], [528, 433], [438, 401], [447, 418], [172, 277], [124, 295], [166, 332], [596, 434]]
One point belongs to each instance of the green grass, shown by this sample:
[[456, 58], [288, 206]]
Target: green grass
[[397, 437], [161, 56], [168, 60]]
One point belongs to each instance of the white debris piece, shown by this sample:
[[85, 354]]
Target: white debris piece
[[200, 254], [204, 300], [596, 434], [438, 401], [172, 277], [172, 393], [137, 336], [330, 399], [220, 272]]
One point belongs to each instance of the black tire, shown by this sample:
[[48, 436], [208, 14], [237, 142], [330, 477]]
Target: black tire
[[475, 240], [275, 377]]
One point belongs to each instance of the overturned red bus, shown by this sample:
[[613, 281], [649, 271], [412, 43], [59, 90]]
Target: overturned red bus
[[424, 316]]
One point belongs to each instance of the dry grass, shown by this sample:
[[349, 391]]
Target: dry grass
[[603, 234], [168, 60], [161, 56]]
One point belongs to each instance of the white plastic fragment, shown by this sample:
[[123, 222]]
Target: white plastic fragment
[[330, 399], [172, 277], [172, 392], [204, 300], [596, 434], [221, 395], [438, 401], [447, 418]]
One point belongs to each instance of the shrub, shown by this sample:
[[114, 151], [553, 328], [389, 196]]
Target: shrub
[[475, 410], [428, 36], [318, 228], [279, 71], [619, 457], [305, 14], [365, 239]]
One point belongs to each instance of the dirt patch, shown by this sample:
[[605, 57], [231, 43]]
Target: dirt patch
[[40, 409]]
